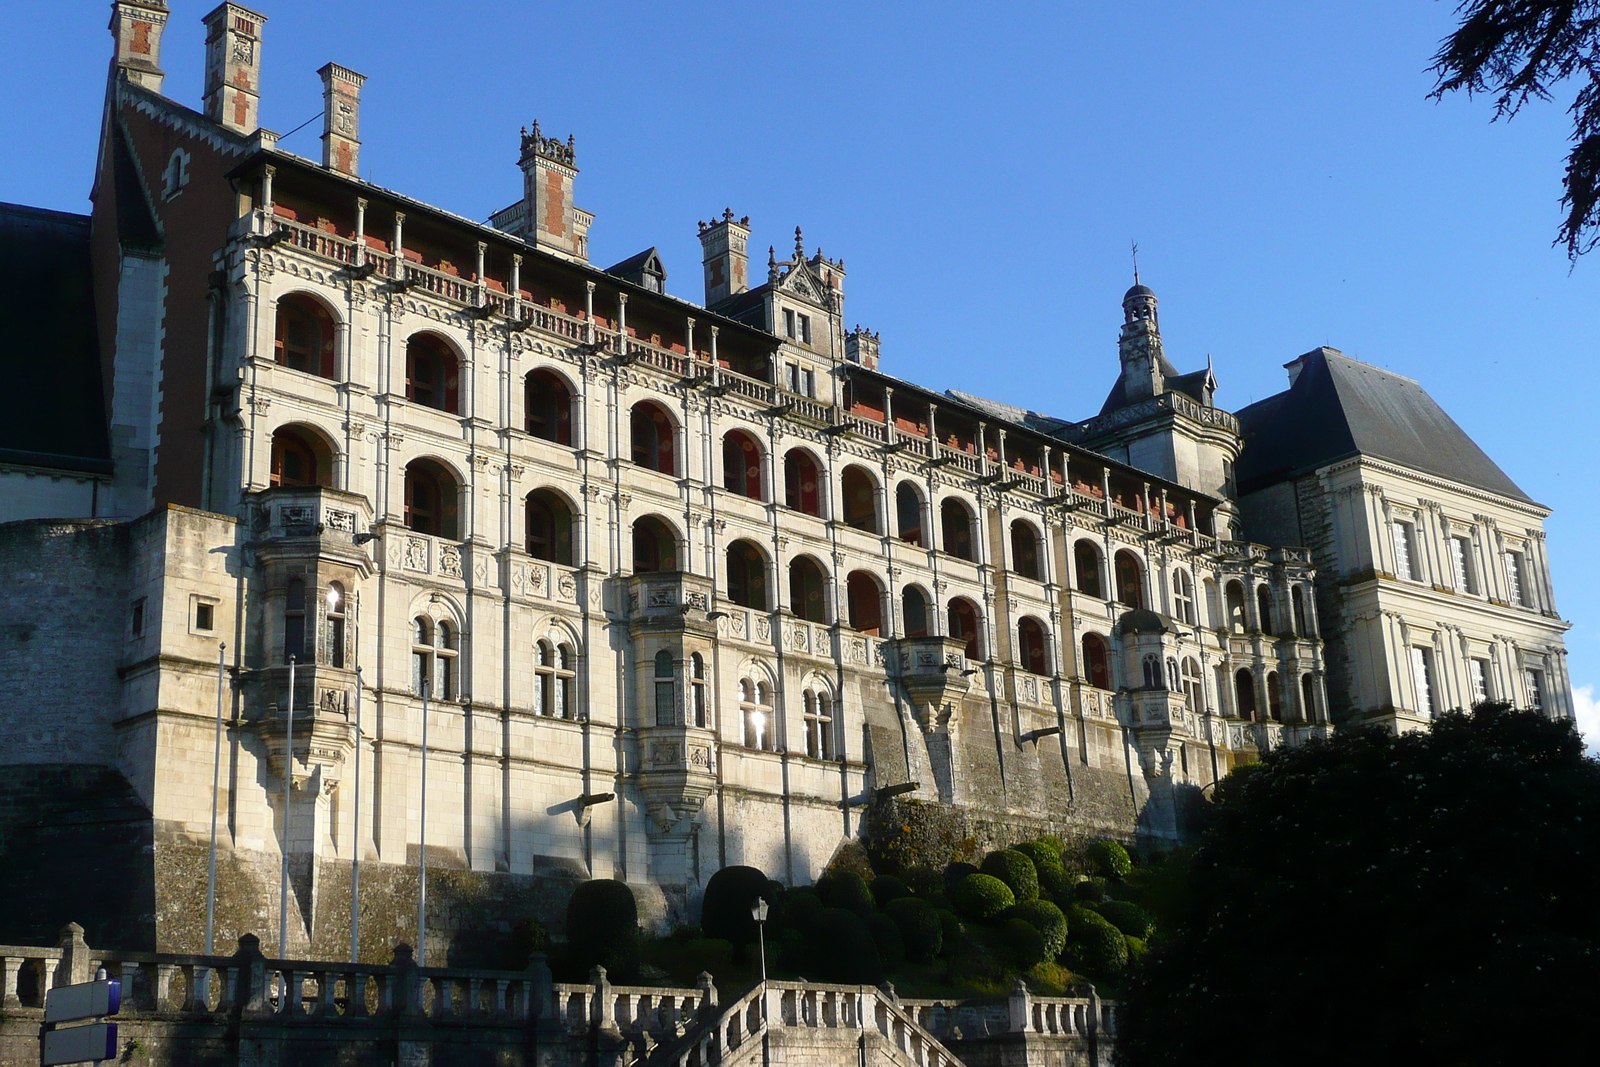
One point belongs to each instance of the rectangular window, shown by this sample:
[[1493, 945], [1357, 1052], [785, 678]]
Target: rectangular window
[[665, 712], [1479, 669], [1460, 566], [1402, 550], [1422, 677], [1514, 577], [788, 323], [805, 329], [138, 617], [808, 382], [205, 616], [792, 376], [1535, 689]]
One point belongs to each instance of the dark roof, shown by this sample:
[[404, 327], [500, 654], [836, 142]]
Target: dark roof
[[636, 263], [1191, 385], [51, 411], [1141, 621], [1340, 407]]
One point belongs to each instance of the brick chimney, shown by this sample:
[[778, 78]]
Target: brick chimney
[[862, 346], [341, 118], [136, 26], [233, 67], [727, 266], [550, 218]]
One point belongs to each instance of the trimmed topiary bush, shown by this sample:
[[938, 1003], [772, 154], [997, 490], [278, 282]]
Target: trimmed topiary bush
[[950, 926], [886, 936], [923, 881], [1046, 918], [982, 897], [725, 910], [921, 930], [1129, 918], [1055, 883], [955, 872], [799, 908], [1016, 871], [1089, 890], [1051, 841], [1094, 945], [887, 887], [1137, 950], [1108, 859], [1023, 944], [841, 949], [846, 889], [1038, 852], [603, 927]]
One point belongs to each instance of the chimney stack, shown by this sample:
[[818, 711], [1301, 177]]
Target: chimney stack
[[233, 67], [341, 118], [136, 25], [727, 264], [550, 219]]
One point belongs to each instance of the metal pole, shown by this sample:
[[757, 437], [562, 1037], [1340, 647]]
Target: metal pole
[[355, 839], [422, 829], [216, 779], [288, 785]]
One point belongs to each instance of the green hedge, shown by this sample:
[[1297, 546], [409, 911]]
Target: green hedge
[[1023, 944], [1090, 890], [921, 930], [841, 949], [1055, 883], [955, 872], [846, 889], [725, 909], [887, 887], [1046, 918], [1016, 871], [1108, 859], [923, 881], [603, 928], [1127, 917], [982, 897], [1038, 852], [886, 938], [1094, 945]]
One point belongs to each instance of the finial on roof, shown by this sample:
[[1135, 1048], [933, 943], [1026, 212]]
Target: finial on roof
[[1135, 245], [799, 245], [727, 214], [772, 264]]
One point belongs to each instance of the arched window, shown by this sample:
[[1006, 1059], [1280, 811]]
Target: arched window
[[1264, 608], [299, 458], [1244, 694], [655, 546], [1086, 561], [819, 725], [1096, 663], [802, 482], [1193, 697], [652, 434], [1308, 698], [294, 621], [963, 620], [741, 464], [1130, 580], [431, 495], [865, 599], [699, 715], [1031, 647], [549, 527], [1235, 596], [755, 710], [1297, 599], [747, 576], [333, 641], [305, 336], [547, 402], [860, 499], [955, 528], [432, 373], [1174, 683], [806, 583], [666, 697], [1274, 697], [914, 608], [908, 513], [433, 659], [1183, 596], [1025, 549], [1150, 666]]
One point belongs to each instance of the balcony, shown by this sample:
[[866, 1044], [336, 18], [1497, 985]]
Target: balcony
[[292, 512]]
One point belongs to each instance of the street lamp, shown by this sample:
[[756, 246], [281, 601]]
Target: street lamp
[[758, 912]]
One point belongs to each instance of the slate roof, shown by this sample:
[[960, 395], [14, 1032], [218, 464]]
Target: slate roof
[[1192, 385], [52, 413], [1340, 407]]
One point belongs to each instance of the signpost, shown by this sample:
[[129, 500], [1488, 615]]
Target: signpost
[[88, 1041]]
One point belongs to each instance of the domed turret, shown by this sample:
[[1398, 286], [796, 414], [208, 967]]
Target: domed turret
[[1139, 303]]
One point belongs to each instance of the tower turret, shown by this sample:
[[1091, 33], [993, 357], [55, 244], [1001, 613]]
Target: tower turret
[[1139, 346]]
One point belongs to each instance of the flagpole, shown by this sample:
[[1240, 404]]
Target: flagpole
[[288, 783], [216, 779]]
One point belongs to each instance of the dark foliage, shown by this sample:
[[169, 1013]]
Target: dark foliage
[[1094, 945], [1039, 852], [1023, 944], [923, 881], [921, 929], [982, 896], [1055, 883], [846, 889], [1108, 859], [1127, 917], [1521, 50], [1090, 890], [725, 911], [886, 937], [1046, 918], [841, 949], [603, 928], [955, 872], [1438, 887], [887, 887], [1014, 869]]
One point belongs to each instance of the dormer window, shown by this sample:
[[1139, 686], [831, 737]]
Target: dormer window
[[176, 176]]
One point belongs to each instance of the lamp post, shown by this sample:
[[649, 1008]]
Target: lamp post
[[288, 799], [758, 912], [422, 830]]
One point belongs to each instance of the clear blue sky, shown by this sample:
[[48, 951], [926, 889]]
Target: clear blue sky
[[982, 168]]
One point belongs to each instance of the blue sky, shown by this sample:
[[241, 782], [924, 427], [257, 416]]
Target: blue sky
[[982, 169]]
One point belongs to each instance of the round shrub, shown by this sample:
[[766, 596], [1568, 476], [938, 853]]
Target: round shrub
[[1129, 918], [886, 936], [950, 926], [603, 927], [1055, 843], [921, 931], [887, 887], [1015, 870], [845, 889], [1090, 890], [1038, 852], [841, 949], [941, 900], [923, 881], [981, 897], [1046, 918], [1108, 859], [1137, 950], [1023, 944], [725, 910], [955, 872], [1094, 944], [799, 908], [1055, 883]]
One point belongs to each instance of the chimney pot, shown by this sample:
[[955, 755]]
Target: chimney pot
[[136, 27], [727, 264], [233, 67], [341, 118]]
